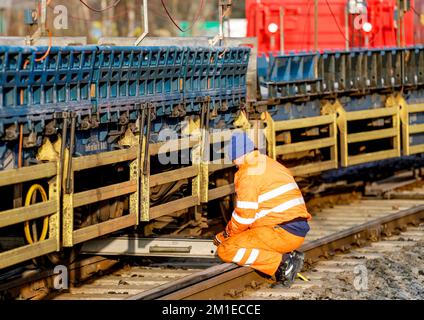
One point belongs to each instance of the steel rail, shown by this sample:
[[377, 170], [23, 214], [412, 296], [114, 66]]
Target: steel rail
[[213, 283], [78, 271]]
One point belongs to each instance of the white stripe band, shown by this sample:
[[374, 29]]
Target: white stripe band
[[277, 192], [242, 220], [290, 269], [247, 205], [252, 258], [239, 255], [278, 209], [267, 196]]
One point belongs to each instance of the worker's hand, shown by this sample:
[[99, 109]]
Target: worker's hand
[[219, 238]]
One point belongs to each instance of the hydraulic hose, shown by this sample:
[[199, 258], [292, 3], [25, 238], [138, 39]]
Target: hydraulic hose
[[34, 188]]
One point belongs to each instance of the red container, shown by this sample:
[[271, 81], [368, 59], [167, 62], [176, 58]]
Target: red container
[[418, 24], [266, 18], [382, 16]]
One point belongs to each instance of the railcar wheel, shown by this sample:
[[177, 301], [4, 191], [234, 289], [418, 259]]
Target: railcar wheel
[[86, 216], [226, 204], [99, 212], [66, 257]]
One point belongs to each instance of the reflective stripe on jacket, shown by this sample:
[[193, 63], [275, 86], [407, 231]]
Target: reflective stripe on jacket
[[267, 195]]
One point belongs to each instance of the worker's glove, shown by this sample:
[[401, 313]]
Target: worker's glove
[[220, 237]]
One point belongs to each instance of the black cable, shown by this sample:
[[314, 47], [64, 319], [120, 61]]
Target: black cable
[[335, 20], [196, 18], [100, 10], [416, 12], [118, 15]]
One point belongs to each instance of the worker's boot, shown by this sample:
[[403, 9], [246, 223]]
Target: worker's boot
[[290, 266]]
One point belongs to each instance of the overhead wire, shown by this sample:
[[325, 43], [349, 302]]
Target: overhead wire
[[337, 23], [114, 4], [116, 16], [373, 38], [416, 12], [194, 21], [340, 29]]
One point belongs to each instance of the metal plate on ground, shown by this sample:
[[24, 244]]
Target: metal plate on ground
[[151, 247]]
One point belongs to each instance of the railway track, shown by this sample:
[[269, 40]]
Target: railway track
[[126, 282], [35, 283], [347, 275], [337, 229], [342, 230]]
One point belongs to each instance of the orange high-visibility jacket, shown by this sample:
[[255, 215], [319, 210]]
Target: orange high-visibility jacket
[[267, 195]]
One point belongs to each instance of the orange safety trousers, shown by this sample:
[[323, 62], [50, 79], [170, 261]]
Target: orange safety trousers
[[260, 248]]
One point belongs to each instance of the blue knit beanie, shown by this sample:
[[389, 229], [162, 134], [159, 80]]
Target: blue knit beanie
[[239, 145]]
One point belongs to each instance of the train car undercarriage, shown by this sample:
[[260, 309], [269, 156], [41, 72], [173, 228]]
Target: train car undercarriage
[[100, 140]]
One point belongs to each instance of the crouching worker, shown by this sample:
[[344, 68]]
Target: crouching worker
[[270, 218]]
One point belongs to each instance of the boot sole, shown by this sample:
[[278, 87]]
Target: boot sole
[[300, 258]]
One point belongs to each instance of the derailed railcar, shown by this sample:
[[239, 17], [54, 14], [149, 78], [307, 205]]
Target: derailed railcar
[[85, 128], [97, 139]]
